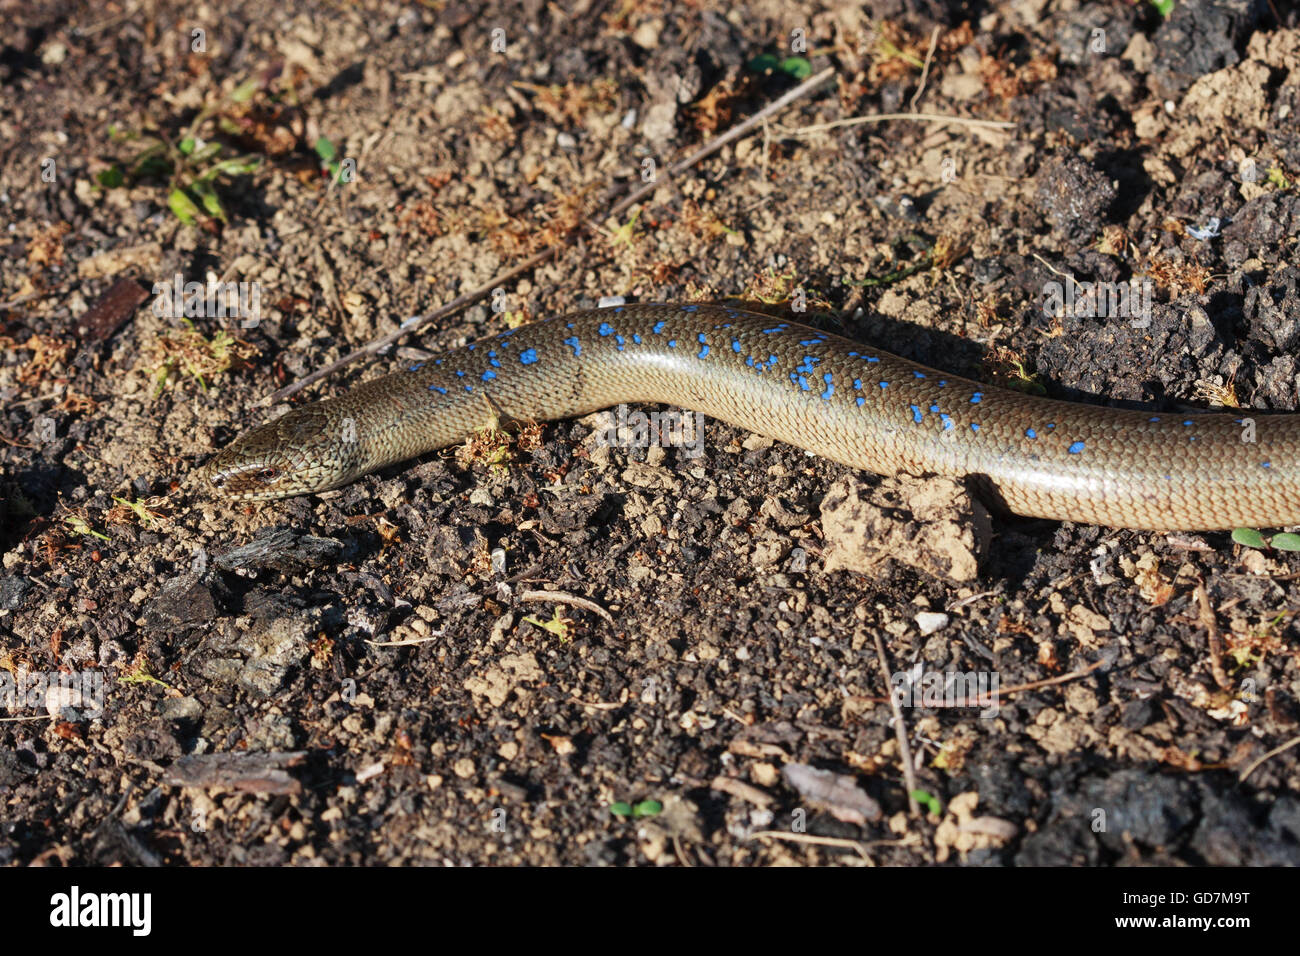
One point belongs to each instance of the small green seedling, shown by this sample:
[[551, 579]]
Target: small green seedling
[[190, 166], [1250, 538], [558, 625], [793, 66], [140, 675], [933, 805], [329, 158], [81, 526], [645, 808]]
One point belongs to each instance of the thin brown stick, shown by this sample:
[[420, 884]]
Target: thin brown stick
[[1268, 756], [925, 70], [1006, 691], [887, 117], [900, 729], [815, 840], [736, 131], [379, 344], [560, 597], [410, 325], [1206, 619]]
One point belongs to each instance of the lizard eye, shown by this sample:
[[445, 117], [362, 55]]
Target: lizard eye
[[268, 474]]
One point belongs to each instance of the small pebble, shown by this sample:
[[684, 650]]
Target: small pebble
[[931, 621]]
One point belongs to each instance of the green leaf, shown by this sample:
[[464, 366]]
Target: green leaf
[[155, 166], [931, 803], [325, 150], [796, 66], [244, 91], [183, 207], [1163, 7], [230, 167], [620, 809], [208, 196], [205, 152], [186, 145], [111, 178], [1248, 537], [762, 63], [1286, 542], [648, 808]]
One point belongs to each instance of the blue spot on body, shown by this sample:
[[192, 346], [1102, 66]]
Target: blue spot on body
[[974, 427], [572, 341], [1030, 433], [416, 367], [1266, 464], [528, 356], [690, 308], [659, 327], [935, 409], [704, 351], [884, 385], [1189, 422], [861, 401], [803, 382], [735, 345], [918, 374], [1075, 448], [460, 374], [489, 375], [857, 383], [1155, 418], [621, 341], [872, 358], [916, 414], [672, 343], [830, 389], [438, 388], [947, 421], [636, 339], [605, 329], [977, 398]]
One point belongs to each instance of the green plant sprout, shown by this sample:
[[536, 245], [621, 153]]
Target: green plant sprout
[[191, 166]]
